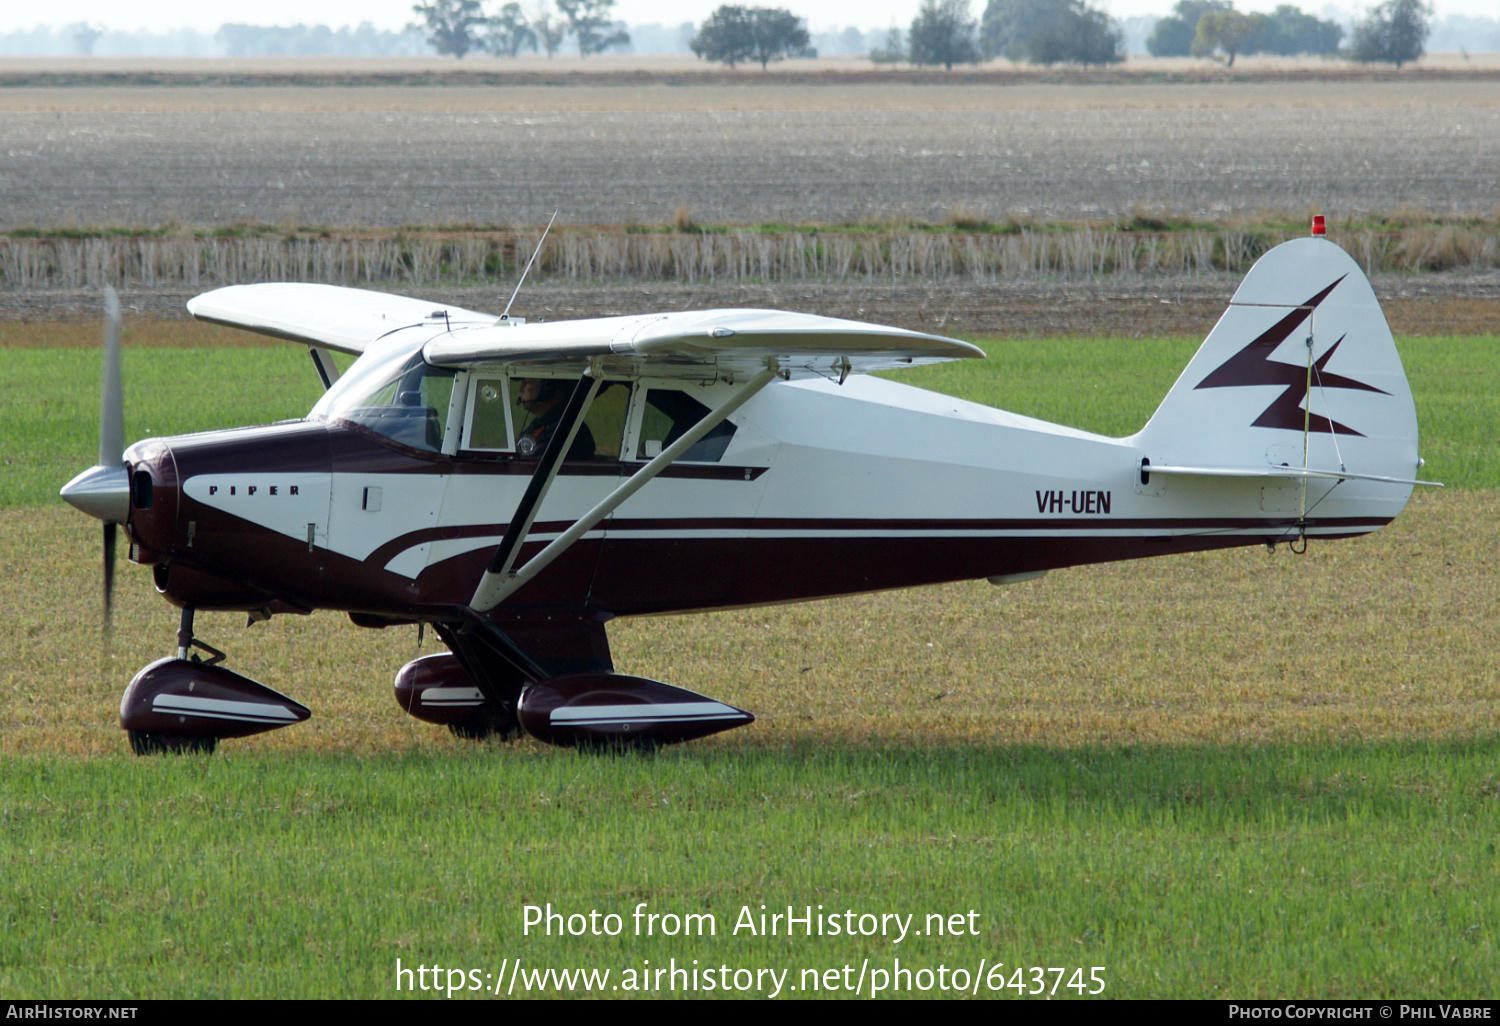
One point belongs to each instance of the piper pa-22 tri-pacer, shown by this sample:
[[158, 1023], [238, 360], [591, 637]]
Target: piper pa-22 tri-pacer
[[517, 486]]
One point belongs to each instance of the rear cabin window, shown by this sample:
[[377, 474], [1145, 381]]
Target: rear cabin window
[[668, 415]]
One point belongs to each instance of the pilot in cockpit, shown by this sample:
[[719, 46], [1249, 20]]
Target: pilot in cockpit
[[544, 399]]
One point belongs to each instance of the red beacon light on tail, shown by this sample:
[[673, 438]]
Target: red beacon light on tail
[[1319, 228]]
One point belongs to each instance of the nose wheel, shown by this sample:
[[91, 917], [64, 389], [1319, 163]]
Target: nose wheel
[[149, 742], [187, 703]]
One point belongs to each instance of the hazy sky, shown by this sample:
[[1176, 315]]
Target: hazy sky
[[208, 15]]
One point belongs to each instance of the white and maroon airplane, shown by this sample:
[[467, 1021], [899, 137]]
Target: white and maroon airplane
[[517, 486]]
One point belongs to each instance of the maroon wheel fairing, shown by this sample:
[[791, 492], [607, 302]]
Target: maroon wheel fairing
[[185, 699], [611, 708], [435, 688]]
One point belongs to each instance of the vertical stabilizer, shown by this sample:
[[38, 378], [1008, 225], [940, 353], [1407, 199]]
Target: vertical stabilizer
[[1301, 371]]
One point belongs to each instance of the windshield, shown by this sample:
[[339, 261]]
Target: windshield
[[395, 394]]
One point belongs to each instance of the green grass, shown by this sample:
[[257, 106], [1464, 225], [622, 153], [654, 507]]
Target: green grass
[[1211, 871], [1110, 386], [51, 427]]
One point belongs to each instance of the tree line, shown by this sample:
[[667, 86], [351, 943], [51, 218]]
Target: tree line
[[1074, 32], [459, 27], [944, 32], [1394, 32]]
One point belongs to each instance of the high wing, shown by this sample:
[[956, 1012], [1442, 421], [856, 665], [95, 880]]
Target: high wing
[[688, 342], [329, 316], [683, 343]]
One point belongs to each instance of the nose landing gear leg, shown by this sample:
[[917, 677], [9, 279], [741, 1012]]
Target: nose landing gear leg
[[186, 643]]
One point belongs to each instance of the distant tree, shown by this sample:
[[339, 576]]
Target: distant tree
[[1076, 34], [727, 36], [550, 30], [1008, 25], [593, 25], [1173, 35], [510, 32], [943, 33], [453, 26], [733, 34], [1229, 31], [893, 50], [777, 33], [1289, 31], [1050, 32], [84, 37], [1396, 31]]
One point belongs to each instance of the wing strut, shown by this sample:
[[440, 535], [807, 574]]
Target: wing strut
[[558, 444], [500, 582]]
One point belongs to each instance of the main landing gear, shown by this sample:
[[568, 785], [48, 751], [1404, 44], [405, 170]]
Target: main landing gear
[[187, 703], [488, 685]]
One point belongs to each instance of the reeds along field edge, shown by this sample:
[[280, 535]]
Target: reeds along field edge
[[706, 256]]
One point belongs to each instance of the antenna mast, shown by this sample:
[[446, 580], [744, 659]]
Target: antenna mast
[[506, 314]]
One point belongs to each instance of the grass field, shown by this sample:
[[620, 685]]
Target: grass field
[[1277, 871], [1221, 774]]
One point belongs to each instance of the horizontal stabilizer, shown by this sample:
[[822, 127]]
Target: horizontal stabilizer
[[1292, 472]]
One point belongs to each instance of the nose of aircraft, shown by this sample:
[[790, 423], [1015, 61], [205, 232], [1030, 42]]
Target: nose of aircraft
[[101, 492]]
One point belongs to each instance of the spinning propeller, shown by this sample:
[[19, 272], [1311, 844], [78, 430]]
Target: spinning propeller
[[103, 491]]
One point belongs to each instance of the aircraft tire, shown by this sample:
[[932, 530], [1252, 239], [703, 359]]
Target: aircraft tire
[[146, 743], [643, 746]]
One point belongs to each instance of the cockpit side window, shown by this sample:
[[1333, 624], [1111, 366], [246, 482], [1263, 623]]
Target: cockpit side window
[[489, 417], [669, 414]]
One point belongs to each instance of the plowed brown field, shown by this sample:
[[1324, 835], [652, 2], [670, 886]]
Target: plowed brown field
[[741, 153]]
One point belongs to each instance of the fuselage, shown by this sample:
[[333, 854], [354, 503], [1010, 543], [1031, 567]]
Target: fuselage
[[822, 489]]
